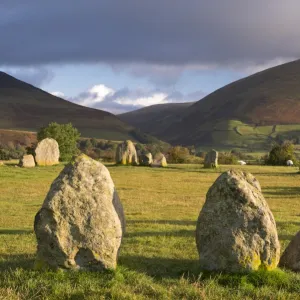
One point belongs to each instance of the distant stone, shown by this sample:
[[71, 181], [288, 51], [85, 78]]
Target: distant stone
[[211, 159], [146, 159], [236, 231], [47, 152], [1, 163], [290, 258], [159, 161], [27, 161], [126, 154], [289, 163], [81, 222]]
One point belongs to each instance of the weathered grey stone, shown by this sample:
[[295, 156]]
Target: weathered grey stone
[[146, 159], [236, 231], [81, 222], [27, 161], [290, 258], [211, 159], [126, 154], [47, 152], [159, 161]]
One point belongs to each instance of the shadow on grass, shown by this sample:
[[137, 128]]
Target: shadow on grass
[[179, 233], [15, 231], [171, 222], [14, 262], [159, 267], [282, 191]]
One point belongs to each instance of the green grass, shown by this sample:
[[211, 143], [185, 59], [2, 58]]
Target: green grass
[[158, 258]]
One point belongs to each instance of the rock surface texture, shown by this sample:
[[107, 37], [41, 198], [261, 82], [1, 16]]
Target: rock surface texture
[[81, 222], [27, 161], [47, 152], [126, 154], [211, 159], [146, 159], [236, 231], [159, 161], [290, 258]]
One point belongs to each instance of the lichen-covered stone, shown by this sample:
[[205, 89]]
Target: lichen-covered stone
[[81, 222], [146, 159], [159, 161], [47, 152], [236, 231], [211, 159], [126, 154], [27, 161], [290, 258]]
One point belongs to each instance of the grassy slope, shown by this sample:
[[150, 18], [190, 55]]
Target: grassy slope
[[158, 258], [155, 119], [25, 107]]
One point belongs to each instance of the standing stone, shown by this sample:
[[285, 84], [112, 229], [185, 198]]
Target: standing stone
[[146, 159], [81, 222], [290, 258], [126, 153], [236, 231], [211, 159], [47, 152], [159, 161], [27, 161], [1, 163]]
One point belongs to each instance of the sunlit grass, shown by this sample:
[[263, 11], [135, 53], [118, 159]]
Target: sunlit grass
[[158, 258]]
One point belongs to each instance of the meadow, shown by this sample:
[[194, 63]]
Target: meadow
[[158, 258]]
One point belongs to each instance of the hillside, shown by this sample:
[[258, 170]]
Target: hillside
[[25, 107], [248, 113], [156, 119]]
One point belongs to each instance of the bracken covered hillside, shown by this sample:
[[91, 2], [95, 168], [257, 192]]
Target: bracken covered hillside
[[25, 107]]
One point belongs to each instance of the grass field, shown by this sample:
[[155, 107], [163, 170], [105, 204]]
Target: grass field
[[158, 258]]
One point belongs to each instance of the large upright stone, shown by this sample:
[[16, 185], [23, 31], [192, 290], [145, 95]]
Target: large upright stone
[[236, 231], [211, 159], [146, 159], [47, 152], [81, 222], [126, 154], [27, 161], [290, 258], [159, 161]]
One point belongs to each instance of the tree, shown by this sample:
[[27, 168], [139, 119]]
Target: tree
[[280, 154], [66, 136], [178, 155]]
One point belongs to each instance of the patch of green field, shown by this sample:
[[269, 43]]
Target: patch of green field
[[285, 128], [158, 258]]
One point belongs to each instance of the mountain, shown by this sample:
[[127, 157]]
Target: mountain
[[248, 113], [25, 107], [156, 119]]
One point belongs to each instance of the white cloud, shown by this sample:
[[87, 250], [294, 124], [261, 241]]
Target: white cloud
[[122, 100], [58, 94]]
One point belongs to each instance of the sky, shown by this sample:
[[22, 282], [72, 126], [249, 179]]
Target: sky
[[119, 56]]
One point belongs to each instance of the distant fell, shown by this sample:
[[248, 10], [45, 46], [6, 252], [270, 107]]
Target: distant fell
[[25, 107]]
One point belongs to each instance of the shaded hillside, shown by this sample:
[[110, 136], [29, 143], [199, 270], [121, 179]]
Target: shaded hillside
[[270, 97], [25, 107], [245, 113], [156, 119]]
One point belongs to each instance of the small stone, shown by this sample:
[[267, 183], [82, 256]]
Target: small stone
[[27, 161], [290, 258], [211, 159], [146, 159], [126, 154], [159, 161], [47, 152]]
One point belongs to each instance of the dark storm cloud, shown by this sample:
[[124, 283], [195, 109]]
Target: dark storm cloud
[[170, 32], [35, 76]]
